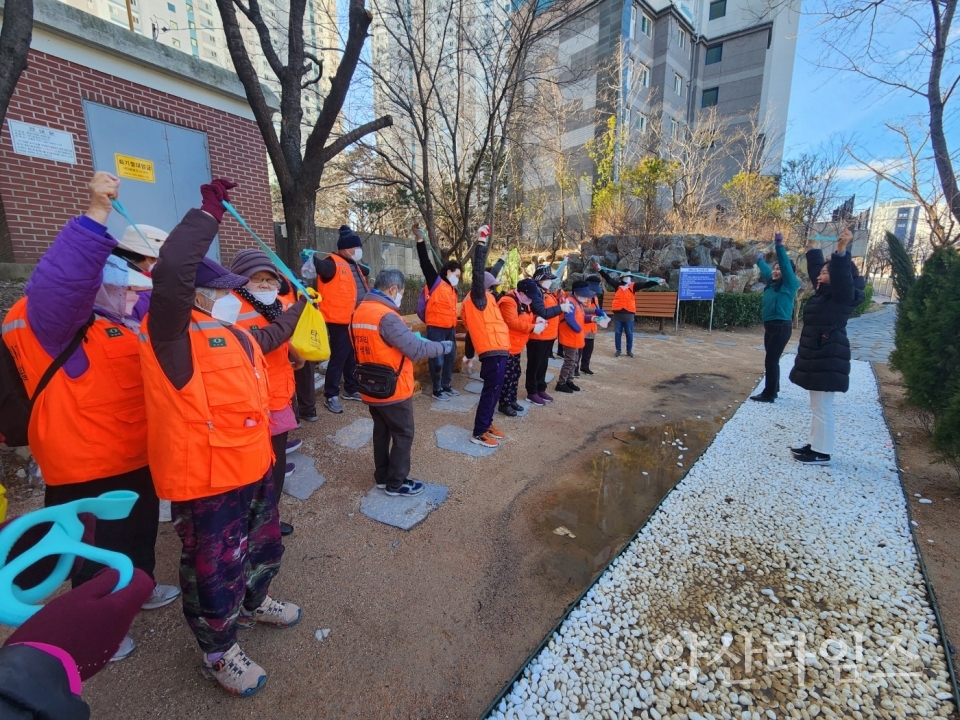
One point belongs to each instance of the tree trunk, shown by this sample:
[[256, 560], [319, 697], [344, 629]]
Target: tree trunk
[[298, 211], [938, 139]]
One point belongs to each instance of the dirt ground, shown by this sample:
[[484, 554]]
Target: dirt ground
[[937, 528], [431, 623]]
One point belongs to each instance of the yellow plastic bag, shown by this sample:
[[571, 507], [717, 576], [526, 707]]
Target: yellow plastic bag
[[310, 340], [3, 504]]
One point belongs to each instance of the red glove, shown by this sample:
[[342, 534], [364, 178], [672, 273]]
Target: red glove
[[90, 621], [213, 196]]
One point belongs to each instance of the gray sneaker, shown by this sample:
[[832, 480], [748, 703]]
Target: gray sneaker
[[451, 392], [333, 405], [355, 396]]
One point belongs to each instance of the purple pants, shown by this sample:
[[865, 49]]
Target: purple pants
[[492, 369], [231, 552]]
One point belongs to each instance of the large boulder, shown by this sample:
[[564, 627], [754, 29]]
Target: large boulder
[[691, 241], [574, 263], [673, 279], [725, 242], [606, 243], [719, 282], [631, 261], [701, 256], [733, 283], [672, 256], [730, 256], [588, 249], [712, 241], [610, 259], [757, 287]]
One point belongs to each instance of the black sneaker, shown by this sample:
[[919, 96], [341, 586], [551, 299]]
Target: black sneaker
[[811, 457], [617, 354], [286, 529], [629, 354], [310, 417], [587, 371], [408, 489], [355, 396], [576, 373], [801, 450], [507, 410], [565, 388], [763, 398], [517, 406], [573, 387]]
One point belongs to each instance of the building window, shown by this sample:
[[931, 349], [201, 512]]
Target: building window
[[633, 21], [674, 128], [710, 97], [639, 122], [173, 25], [193, 42], [646, 26], [192, 25], [171, 7], [681, 36], [714, 54], [718, 8], [677, 84], [176, 43], [628, 79], [644, 76]]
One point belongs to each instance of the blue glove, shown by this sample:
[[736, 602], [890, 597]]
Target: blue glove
[[447, 346]]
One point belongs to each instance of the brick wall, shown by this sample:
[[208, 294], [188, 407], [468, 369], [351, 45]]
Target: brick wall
[[41, 195]]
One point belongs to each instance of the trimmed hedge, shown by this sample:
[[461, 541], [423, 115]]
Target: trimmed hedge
[[729, 310]]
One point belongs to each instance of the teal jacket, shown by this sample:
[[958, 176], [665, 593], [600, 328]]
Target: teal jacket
[[778, 296]]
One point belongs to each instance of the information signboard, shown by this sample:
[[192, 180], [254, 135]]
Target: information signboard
[[697, 283], [40, 141]]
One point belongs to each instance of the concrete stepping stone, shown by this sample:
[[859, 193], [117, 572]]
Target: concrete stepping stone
[[692, 340], [642, 335], [403, 512], [526, 408], [548, 377], [555, 363], [759, 347], [457, 439], [355, 435], [460, 404], [474, 387], [725, 342], [475, 376], [305, 478], [661, 337]]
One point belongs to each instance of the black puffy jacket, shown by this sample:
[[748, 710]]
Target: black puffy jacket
[[823, 357]]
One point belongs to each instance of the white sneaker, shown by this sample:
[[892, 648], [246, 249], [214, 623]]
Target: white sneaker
[[165, 514], [235, 672], [161, 595], [127, 646], [271, 612]]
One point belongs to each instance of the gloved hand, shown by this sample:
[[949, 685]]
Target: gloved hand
[[661, 281], [778, 238], [214, 194], [596, 265], [566, 306], [447, 346], [483, 234], [90, 621]]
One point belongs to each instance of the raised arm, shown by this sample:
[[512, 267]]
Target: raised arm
[[815, 261], [606, 276], [477, 291], [430, 273], [841, 271]]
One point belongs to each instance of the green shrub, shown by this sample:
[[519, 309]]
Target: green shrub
[[927, 351], [867, 301], [411, 294], [901, 265], [730, 310]]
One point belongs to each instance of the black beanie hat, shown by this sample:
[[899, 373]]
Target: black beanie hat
[[348, 239]]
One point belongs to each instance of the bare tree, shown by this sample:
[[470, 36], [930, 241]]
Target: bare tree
[[918, 177], [15, 37], [809, 185], [297, 163], [904, 46]]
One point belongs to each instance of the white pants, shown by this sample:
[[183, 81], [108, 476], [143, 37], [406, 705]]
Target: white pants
[[822, 427]]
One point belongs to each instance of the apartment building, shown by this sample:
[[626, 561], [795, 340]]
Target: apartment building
[[905, 219]]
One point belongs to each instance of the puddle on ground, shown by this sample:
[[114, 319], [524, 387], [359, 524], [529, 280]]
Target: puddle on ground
[[609, 498]]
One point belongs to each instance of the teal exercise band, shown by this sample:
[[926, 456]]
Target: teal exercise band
[[118, 206], [624, 272], [274, 258]]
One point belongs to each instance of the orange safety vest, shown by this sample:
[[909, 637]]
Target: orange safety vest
[[370, 347], [519, 324], [488, 331], [279, 369], [553, 324], [589, 325], [212, 435], [84, 428], [625, 300], [339, 296], [442, 306], [570, 337]]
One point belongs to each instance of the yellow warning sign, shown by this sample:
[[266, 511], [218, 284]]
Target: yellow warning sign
[[134, 168]]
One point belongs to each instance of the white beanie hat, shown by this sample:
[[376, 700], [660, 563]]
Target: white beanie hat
[[146, 242]]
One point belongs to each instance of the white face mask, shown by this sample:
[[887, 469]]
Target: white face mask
[[226, 309], [545, 284], [454, 280], [523, 298], [357, 254], [627, 283], [267, 297], [398, 299], [132, 297]]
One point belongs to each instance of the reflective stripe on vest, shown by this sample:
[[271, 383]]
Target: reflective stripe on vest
[[442, 306], [212, 435], [568, 336], [625, 300], [371, 348], [340, 294], [279, 369], [488, 331], [89, 427]]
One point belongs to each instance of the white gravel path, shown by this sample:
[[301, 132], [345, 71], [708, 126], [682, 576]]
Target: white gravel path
[[773, 561]]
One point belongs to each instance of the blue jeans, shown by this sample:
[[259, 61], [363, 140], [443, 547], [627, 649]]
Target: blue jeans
[[441, 368], [620, 326]]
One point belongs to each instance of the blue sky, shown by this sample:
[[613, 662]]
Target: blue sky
[[826, 104]]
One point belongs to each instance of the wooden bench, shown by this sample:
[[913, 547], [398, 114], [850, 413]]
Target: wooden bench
[[649, 304]]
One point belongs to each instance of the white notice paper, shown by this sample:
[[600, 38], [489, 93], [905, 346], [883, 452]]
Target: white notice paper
[[39, 141]]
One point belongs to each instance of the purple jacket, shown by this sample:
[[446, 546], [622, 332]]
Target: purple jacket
[[62, 289]]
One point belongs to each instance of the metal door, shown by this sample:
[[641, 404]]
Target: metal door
[[161, 165]]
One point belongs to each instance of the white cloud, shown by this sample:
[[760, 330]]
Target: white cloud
[[856, 171]]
